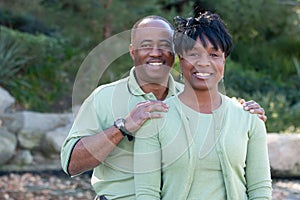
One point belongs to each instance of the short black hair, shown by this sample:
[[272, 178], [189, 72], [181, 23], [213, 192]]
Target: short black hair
[[206, 25]]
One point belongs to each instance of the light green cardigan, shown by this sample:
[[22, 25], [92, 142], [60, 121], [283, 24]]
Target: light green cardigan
[[164, 151]]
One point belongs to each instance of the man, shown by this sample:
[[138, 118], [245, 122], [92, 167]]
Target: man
[[97, 138]]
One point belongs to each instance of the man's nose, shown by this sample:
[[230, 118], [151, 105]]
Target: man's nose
[[156, 51]]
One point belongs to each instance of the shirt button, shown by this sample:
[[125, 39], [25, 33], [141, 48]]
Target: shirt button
[[149, 96]]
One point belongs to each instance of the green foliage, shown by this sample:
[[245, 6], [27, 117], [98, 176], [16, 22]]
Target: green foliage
[[254, 20], [274, 58], [25, 23], [278, 99]]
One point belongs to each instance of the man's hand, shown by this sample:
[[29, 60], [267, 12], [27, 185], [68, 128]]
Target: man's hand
[[254, 108], [142, 112]]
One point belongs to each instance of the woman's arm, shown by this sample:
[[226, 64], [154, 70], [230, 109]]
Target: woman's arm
[[147, 163], [258, 175]]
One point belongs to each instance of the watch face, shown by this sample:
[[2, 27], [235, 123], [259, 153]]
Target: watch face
[[120, 123]]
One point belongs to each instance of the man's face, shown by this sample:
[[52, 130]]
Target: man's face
[[152, 51]]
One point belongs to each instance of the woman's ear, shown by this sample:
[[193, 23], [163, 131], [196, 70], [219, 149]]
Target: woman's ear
[[180, 56]]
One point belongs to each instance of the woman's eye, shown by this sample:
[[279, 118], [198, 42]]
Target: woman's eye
[[194, 54]]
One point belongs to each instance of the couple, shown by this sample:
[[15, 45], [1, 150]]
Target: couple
[[225, 157]]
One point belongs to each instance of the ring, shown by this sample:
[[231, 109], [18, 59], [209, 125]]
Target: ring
[[148, 114]]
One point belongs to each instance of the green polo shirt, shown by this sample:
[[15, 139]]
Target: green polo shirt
[[113, 178]]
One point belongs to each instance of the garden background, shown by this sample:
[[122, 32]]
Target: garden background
[[44, 42]]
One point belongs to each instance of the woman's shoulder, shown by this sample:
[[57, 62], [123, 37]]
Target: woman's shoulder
[[233, 103], [175, 105], [236, 108]]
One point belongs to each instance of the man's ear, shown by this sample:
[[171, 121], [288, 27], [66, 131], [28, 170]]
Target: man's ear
[[131, 51]]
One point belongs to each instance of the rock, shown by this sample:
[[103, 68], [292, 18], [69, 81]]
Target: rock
[[284, 151], [22, 157], [54, 139], [13, 122], [6, 100], [36, 125], [8, 145]]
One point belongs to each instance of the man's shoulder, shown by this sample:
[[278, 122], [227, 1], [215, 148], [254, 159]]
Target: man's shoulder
[[171, 100], [109, 87]]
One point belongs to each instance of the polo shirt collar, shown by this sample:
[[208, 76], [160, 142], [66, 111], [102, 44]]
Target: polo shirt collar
[[135, 89]]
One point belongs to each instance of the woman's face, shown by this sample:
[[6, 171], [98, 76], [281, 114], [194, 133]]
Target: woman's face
[[203, 67]]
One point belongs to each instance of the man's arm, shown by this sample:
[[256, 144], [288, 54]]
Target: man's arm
[[90, 151]]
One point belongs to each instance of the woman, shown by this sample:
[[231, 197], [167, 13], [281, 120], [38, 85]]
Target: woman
[[206, 147]]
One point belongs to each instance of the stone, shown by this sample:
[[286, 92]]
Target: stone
[[13, 122], [36, 125], [22, 157], [6, 100], [8, 145], [284, 151], [54, 139]]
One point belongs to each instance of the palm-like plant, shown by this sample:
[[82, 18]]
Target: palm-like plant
[[12, 58]]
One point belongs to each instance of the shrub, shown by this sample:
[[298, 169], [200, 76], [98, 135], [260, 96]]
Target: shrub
[[35, 79], [13, 58], [278, 99]]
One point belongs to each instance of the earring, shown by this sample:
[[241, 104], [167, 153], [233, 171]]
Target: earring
[[181, 76], [221, 86]]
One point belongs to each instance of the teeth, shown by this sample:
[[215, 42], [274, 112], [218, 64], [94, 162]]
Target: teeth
[[202, 74], [156, 64]]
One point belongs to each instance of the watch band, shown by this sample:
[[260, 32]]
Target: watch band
[[129, 137]]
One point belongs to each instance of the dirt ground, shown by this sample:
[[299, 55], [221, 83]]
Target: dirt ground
[[57, 186]]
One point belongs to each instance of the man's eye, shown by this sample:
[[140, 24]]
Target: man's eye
[[165, 46], [146, 46]]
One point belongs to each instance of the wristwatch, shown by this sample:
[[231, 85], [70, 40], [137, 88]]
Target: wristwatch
[[120, 124]]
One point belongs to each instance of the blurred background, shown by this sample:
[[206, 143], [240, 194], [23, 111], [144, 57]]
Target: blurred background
[[44, 42]]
